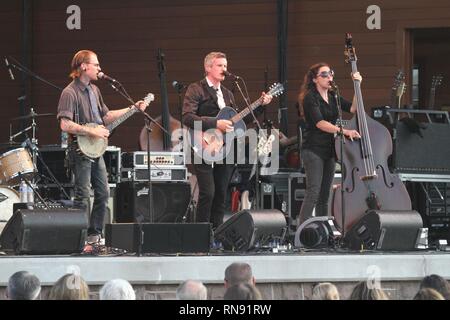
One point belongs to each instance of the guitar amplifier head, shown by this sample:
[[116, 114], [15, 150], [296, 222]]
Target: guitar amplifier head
[[174, 173], [160, 158]]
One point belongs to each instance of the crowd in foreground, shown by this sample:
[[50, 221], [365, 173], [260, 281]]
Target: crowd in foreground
[[239, 283]]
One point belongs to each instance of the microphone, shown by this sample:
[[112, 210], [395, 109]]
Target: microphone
[[103, 76], [229, 74], [333, 85], [178, 85], [11, 75]]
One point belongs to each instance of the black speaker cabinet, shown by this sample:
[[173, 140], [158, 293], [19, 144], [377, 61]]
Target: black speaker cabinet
[[159, 237], [296, 191], [424, 151], [170, 201], [247, 229], [41, 231], [55, 158], [385, 230]]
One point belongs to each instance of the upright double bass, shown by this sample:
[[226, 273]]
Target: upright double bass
[[367, 182], [160, 140]]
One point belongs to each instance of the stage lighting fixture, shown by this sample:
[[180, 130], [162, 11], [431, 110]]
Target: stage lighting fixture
[[316, 232]]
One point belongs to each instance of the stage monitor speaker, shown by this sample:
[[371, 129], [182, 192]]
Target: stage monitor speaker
[[42, 231], [160, 237], [250, 228], [385, 230], [422, 150], [170, 200]]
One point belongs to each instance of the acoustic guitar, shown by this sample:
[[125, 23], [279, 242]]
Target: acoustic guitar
[[210, 145]]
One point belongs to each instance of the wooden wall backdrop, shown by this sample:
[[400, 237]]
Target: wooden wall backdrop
[[127, 34]]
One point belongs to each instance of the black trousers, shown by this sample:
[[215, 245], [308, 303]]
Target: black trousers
[[213, 186], [319, 178]]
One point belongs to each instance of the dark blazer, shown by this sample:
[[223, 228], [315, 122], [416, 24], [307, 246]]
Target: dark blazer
[[200, 104]]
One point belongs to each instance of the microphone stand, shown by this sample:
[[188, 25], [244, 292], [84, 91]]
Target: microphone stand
[[148, 120], [18, 66], [191, 205], [341, 153], [180, 108], [255, 120], [35, 151]]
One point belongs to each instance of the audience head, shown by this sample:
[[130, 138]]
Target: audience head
[[242, 291], [437, 283], [192, 290], [325, 291], [23, 285], [428, 294], [117, 289], [238, 272], [363, 292], [69, 287]]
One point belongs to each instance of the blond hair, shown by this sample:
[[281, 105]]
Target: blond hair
[[210, 57], [69, 287], [428, 294], [363, 292], [325, 291]]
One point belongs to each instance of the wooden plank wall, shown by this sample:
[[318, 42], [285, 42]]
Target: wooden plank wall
[[127, 34], [10, 33], [317, 30]]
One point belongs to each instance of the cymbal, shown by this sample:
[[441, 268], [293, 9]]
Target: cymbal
[[9, 144], [33, 115]]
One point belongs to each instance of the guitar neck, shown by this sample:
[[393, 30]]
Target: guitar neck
[[246, 111], [121, 119], [394, 98]]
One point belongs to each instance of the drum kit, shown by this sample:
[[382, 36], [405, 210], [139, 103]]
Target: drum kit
[[17, 164]]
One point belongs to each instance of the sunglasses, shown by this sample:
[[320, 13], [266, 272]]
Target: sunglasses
[[326, 74]]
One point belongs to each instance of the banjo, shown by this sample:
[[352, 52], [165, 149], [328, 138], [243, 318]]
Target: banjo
[[94, 147]]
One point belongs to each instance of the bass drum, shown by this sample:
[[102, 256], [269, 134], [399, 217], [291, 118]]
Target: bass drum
[[14, 164], [8, 197]]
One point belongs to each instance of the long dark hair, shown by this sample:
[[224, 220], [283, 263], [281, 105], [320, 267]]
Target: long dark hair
[[308, 85]]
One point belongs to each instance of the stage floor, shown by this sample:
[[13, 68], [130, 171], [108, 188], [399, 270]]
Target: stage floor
[[280, 276], [306, 266]]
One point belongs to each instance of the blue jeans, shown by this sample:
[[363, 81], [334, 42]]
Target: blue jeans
[[93, 172], [319, 177]]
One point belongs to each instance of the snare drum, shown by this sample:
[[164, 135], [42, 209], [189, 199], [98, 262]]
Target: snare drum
[[15, 163], [8, 197]]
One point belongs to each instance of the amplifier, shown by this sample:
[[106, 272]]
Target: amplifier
[[161, 158], [55, 158], [166, 173]]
